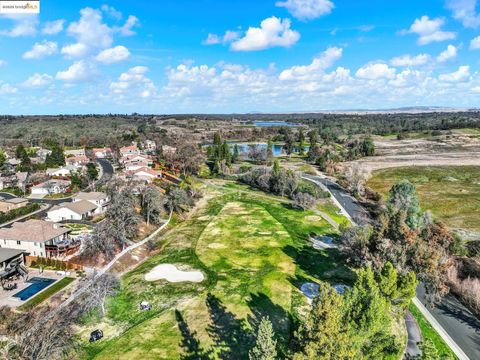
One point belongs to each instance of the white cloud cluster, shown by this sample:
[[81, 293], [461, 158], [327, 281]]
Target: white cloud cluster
[[37, 81], [449, 54], [376, 71], [465, 11], [23, 25], [53, 27], [7, 89], [272, 32], [41, 50], [79, 71], [410, 61], [429, 30], [475, 43], [134, 83], [459, 76], [113, 55], [307, 9]]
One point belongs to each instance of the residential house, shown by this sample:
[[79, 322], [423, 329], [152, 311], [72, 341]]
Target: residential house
[[129, 150], [7, 205], [8, 180], [135, 162], [102, 153], [52, 186], [144, 174], [38, 238], [42, 153], [63, 171], [99, 199], [75, 152], [149, 146], [77, 161], [78, 210]]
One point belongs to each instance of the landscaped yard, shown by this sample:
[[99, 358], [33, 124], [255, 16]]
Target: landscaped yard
[[451, 193], [254, 253], [44, 295]]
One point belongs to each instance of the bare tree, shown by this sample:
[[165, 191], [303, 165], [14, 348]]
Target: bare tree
[[153, 204], [356, 176]]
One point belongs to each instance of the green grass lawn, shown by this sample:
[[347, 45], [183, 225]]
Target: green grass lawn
[[451, 193], [44, 295], [429, 333], [255, 254]]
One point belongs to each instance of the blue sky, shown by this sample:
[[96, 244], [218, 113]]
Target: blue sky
[[239, 56]]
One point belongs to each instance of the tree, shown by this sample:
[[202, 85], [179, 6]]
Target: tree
[[265, 344], [226, 155], [152, 204], [178, 200], [188, 158], [368, 147], [92, 171], [356, 176], [403, 196], [56, 157], [323, 334], [235, 154], [301, 142], [303, 201], [3, 158], [269, 151], [313, 137], [289, 144]]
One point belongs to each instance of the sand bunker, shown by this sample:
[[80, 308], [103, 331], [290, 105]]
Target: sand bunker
[[170, 273]]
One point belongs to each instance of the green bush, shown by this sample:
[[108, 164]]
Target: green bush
[[16, 213]]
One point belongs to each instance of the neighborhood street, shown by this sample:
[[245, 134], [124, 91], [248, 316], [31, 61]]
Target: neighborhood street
[[457, 321], [107, 171]]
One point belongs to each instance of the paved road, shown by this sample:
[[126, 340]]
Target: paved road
[[458, 322], [40, 201], [414, 335], [107, 171], [356, 212]]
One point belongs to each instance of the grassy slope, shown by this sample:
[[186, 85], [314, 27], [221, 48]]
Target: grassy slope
[[44, 295], [451, 193], [429, 333], [221, 310]]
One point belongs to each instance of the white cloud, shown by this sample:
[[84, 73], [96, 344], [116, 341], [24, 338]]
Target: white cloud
[[461, 75], [271, 33], [3, 62], [111, 11], [212, 39], [37, 80], [41, 50], [307, 9], [134, 83], [407, 78], [410, 61], [90, 33], [429, 30], [113, 55], [79, 71], [375, 71], [7, 89], [126, 29], [475, 43], [228, 37], [24, 25], [320, 63], [449, 54], [53, 27], [465, 11], [74, 51]]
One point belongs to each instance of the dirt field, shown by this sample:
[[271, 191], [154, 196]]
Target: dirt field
[[459, 148]]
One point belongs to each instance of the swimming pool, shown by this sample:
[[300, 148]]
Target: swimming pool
[[37, 285]]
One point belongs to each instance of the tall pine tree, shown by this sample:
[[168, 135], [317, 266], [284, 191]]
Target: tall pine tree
[[265, 345]]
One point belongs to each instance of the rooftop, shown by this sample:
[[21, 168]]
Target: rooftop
[[33, 230], [7, 254], [80, 207], [94, 195]]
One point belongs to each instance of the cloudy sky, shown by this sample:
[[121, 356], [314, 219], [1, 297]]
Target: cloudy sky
[[184, 56]]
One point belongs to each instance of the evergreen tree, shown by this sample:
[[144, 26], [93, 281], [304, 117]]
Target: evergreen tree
[[235, 154], [269, 151], [276, 168], [323, 334], [313, 138], [403, 197], [265, 344], [289, 144], [388, 281], [226, 155], [3, 158]]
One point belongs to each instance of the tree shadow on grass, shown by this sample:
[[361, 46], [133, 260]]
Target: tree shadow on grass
[[190, 343], [229, 334], [261, 306], [327, 265]]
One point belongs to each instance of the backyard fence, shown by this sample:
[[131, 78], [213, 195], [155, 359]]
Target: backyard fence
[[37, 261]]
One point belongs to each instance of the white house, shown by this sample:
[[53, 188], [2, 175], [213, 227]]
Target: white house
[[129, 150], [52, 186], [77, 161], [62, 171], [99, 199], [79, 210], [102, 153], [145, 174], [37, 237]]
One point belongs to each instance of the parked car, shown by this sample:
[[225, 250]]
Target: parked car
[[96, 335]]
